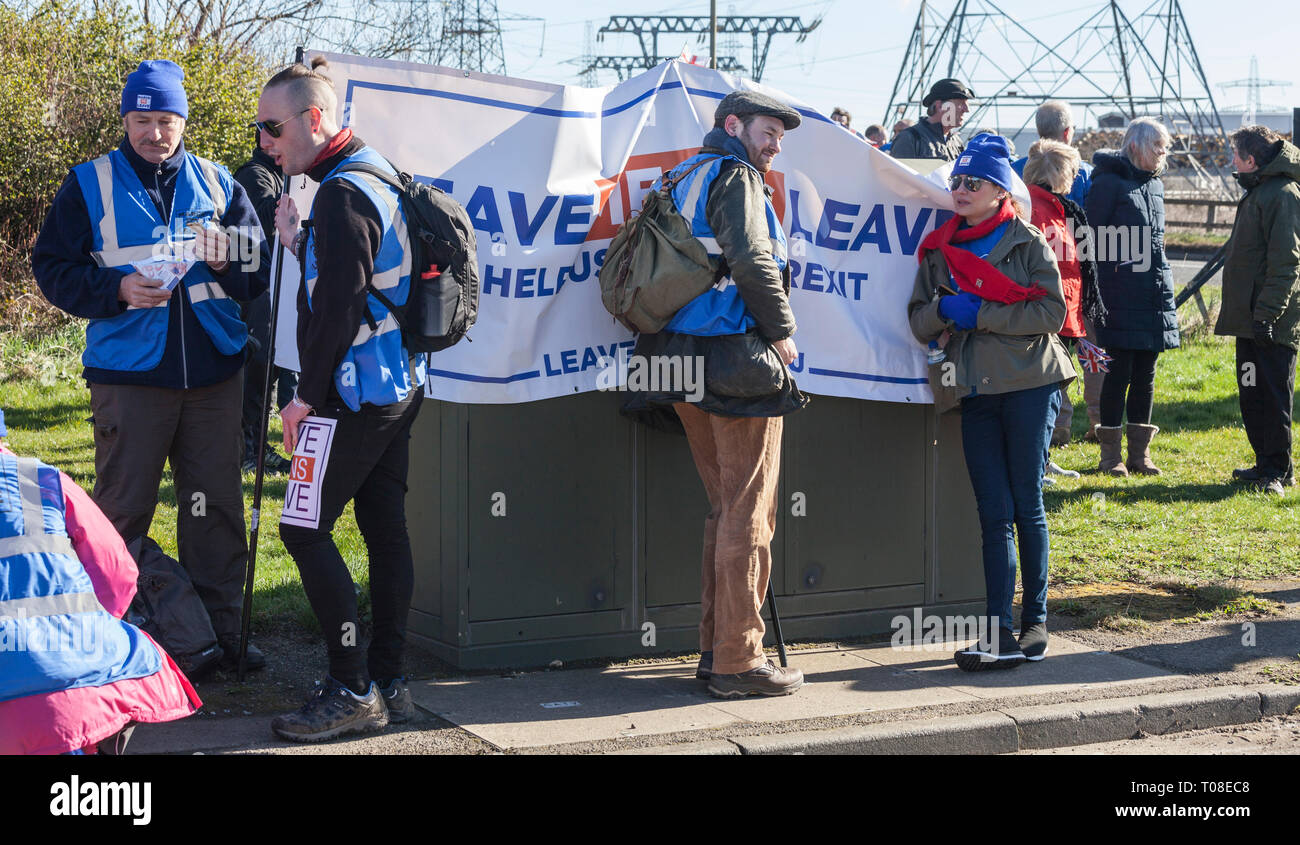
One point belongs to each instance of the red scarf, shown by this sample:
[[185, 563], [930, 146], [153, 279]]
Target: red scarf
[[335, 144], [974, 274]]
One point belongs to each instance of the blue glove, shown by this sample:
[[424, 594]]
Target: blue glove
[[963, 309]]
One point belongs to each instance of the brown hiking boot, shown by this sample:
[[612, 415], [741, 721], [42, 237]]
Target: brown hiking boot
[[768, 679], [1139, 449], [1060, 436], [1112, 461]]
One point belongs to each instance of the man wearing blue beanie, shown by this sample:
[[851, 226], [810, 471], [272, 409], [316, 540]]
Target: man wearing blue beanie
[[155, 246], [156, 86]]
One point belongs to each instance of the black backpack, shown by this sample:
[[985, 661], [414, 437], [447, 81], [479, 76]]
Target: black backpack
[[168, 609], [443, 300]]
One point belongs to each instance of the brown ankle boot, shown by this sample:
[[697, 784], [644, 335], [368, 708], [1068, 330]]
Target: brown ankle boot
[[1112, 462], [1139, 446]]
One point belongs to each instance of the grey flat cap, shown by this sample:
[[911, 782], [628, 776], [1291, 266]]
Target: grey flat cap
[[742, 103]]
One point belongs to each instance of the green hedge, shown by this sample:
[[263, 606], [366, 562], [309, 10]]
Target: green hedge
[[61, 82]]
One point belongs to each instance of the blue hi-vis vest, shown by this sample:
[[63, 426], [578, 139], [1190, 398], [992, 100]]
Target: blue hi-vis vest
[[376, 368], [54, 633], [720, 309], [126, 228]]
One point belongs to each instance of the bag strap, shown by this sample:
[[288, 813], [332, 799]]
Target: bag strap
[[669, 183], [400, 186], [383, 176]]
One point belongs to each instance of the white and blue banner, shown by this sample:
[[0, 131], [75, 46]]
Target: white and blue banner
[[549, 172]]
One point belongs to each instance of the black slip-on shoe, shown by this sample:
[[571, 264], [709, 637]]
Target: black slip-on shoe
[[253, 661], [1250, 475], [1003, 653], [704, 670], [1033, 641]]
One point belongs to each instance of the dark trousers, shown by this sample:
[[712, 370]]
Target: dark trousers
[[1005, 437], [196, 430], [1131, 381], [1266, 389], [257, 315], [368, 464]]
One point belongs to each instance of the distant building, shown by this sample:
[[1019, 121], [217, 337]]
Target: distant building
[[1276, 119]]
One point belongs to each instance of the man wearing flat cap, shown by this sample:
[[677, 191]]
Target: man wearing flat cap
[[742, 328], [139, 242], [936, 136]]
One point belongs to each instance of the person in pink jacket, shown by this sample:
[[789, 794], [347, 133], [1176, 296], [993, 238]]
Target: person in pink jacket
[[56, 701]]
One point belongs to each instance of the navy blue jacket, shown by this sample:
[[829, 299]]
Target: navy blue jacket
[[1140, 312], [72, 281], [1078, 189]]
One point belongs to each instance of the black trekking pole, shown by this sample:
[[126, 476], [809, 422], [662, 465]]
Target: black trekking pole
[[776, 623], [247, 616]]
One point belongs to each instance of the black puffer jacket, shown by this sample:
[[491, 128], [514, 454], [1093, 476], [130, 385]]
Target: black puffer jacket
[[1137, 287]]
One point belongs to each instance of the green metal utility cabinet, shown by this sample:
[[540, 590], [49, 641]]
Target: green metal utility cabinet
[[558, 529]]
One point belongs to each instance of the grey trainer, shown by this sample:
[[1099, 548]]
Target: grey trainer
[[397, 698], [332, 710]]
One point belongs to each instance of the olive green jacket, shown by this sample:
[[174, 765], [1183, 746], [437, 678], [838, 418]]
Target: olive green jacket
[[737, 213], [1261, 270], [1012, 347]]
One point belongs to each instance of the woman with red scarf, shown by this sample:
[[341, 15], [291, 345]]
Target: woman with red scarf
[[988, 302]]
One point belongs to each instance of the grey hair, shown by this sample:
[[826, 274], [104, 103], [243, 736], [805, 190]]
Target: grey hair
[[1053, 164], [1141, 136], [1052, 119]]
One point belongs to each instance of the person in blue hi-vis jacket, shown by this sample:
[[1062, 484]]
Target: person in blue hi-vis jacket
[[156, 247]]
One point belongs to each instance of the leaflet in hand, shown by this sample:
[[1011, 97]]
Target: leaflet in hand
[[164, 268]]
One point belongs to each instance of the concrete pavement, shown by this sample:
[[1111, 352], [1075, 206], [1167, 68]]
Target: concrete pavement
[[858, 699]]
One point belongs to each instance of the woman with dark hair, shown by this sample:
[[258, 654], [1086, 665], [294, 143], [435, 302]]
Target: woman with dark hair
[[1137, 287], [988, 299]]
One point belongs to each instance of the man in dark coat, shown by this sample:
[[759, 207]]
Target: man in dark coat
[[1261, 299], [936, 136]]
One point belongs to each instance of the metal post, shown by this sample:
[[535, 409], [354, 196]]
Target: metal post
[[1123, 60], [713, 34]]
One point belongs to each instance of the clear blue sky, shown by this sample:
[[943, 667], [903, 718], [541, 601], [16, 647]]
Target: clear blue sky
[[852, 59]]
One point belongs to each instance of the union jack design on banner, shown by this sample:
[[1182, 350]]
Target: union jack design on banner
[[1093, 358]]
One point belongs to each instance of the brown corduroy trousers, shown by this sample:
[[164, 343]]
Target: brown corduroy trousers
[[739, 461]]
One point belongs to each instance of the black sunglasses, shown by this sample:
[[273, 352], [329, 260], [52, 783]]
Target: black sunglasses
[[273, 129], [973, 183]]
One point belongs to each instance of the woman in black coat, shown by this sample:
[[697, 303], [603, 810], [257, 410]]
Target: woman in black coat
[[1126, 207]]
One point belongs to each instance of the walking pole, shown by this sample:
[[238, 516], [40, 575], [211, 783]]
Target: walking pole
[[776, 623], [247, 616]]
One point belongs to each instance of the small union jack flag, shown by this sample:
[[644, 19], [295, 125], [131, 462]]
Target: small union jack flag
[[1093, 358]]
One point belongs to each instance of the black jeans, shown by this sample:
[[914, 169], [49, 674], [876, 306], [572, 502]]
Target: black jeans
[[1266, 389], [1132, 373], [368, 463]]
